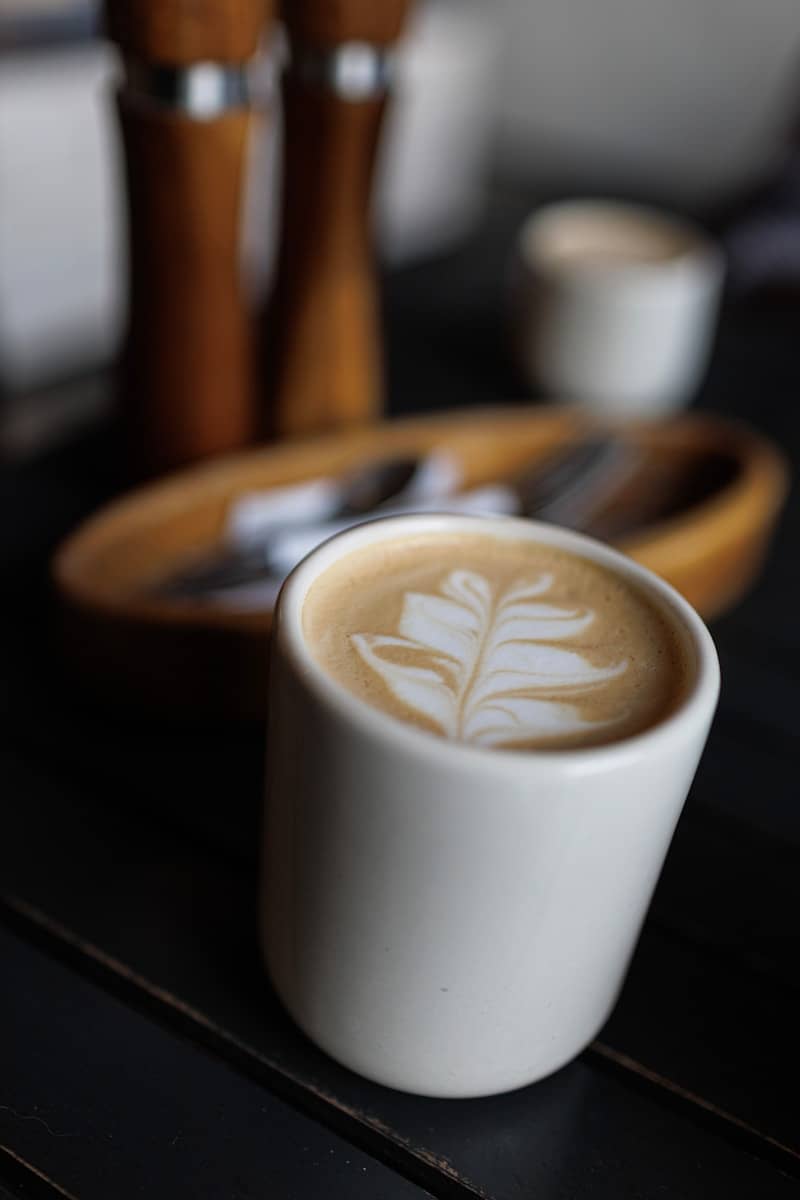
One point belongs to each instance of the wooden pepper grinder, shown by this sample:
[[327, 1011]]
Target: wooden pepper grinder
[[188, 378], [323, 343]]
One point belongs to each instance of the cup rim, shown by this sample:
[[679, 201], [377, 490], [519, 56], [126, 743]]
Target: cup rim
[[693, 711], [697, 249]]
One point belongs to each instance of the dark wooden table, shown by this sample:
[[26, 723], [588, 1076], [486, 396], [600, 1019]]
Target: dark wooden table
[[141, 1050]]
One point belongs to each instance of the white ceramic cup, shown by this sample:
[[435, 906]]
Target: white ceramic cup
[[614, 306], [443, 918]]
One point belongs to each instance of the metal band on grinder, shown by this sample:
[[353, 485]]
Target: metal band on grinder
[[202, 90], [352, 70]]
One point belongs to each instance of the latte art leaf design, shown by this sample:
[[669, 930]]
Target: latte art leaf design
[[483, 668]]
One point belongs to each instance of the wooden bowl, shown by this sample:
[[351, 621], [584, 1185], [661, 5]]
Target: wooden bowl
[[203, 661]]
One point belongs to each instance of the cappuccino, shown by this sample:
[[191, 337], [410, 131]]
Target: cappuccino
[[501, 643]]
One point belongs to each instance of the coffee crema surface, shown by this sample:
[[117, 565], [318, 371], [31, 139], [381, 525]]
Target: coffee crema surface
[[502, 643]]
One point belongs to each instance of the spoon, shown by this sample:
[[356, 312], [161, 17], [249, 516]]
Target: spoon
[[572, 487]]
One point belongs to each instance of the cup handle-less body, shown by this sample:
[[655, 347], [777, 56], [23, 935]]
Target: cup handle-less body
[[447, 920], [620, 337]]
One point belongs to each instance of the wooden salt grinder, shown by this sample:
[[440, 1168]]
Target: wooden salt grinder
[[323, 342], [188, 383]]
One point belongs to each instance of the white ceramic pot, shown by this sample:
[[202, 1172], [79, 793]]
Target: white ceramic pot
[[447, 919], [614, 306]]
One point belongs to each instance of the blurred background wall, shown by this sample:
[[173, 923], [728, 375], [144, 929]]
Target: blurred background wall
[[683, 98], [679, 101]]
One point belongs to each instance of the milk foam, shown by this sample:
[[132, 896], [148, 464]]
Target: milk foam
[[497, 643], [487, 663]]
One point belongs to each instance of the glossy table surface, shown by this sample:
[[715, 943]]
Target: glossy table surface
[[141, 1050]]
